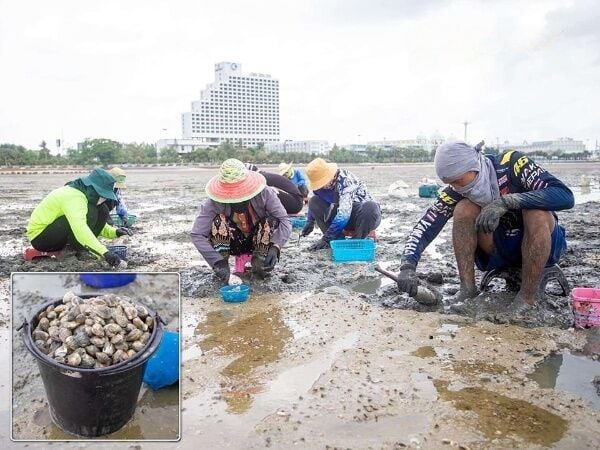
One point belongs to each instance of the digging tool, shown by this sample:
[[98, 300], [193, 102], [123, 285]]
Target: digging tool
[[424, 295]]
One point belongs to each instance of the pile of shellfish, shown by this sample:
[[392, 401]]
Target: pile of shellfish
[[92, 333]]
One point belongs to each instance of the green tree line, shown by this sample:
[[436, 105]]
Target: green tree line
[[108, 152]]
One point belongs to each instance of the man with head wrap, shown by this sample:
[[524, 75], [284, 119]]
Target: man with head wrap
[[503, 208]]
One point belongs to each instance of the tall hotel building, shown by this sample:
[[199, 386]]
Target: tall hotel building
[[236, 108]]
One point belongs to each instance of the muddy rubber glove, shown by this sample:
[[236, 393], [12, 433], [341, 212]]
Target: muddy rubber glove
[[319, 245], [122, 231], [407, 279], [308, 228], [489, 217], [271, 259], [221, 269], [112, 259]]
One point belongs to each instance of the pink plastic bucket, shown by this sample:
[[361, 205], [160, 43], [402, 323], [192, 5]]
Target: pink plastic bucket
[[241, 261], [586, 307]]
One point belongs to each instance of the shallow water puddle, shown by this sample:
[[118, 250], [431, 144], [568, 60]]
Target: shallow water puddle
[[499, 416], [569, 373], [426, 351], [253, 340], [371, 286]]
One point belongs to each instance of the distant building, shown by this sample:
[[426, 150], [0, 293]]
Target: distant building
[[184, 145], [235, 108], [565, 144], [312, 147], [358, 148], [420, 142]]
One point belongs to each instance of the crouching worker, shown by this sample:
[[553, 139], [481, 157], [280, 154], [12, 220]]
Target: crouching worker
[[289, 195], [295, 176], [241, 216], [340, 205], [503, 208], [119, 204], [76, 215]]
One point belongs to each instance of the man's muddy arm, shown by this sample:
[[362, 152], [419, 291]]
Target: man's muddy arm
[[430, 225]]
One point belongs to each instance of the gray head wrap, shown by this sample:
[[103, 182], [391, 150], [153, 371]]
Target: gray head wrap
[[454, 159]]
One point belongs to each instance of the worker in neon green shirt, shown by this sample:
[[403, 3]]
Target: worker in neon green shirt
[[75, 214]]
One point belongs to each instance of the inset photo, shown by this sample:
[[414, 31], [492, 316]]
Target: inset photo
[[95, 356]]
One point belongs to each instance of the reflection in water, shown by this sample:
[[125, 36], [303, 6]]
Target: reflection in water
[[254, 340]]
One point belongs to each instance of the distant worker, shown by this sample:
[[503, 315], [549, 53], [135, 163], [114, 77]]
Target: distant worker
[[121, 209], [241, 216], [289, 195], [296, 176], [503, 208], [76, 215], [341, 205]]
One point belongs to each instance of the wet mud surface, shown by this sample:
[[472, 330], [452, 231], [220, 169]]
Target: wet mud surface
[[325, 354]]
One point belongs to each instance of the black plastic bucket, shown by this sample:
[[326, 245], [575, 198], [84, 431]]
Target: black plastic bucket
[[92, 402]]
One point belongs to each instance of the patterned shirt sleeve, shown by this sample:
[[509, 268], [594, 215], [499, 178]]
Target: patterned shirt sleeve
[[429, 226], [537, 188]]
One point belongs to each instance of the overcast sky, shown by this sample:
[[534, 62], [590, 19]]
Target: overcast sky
[[349, 70]]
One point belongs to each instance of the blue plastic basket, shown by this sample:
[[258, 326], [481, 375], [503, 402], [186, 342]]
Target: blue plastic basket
[[353, 250], [429, 190], [119, 250], [131, 218], [107, 280], [298, 221], [235, 293]]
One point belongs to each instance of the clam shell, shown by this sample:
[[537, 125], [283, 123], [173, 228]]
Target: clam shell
[[134, 335], [142, 311], [112, 329], [102, 311], [53, 332], [60, 308], [63, 333], [87, 361], [60, 352], [121, 320], [108, 349], [117, 356], [82, 339], [40, 335], [131, 352], [98, 330], [130, 312], [149, 322], [68, 297], [91, 349], [51, 315], [137, 345], [145, 337], [117, 339], [44, 324], [139, 323], [74, 359], [97, 341], [103, 358], [41, 346], [71, 343]]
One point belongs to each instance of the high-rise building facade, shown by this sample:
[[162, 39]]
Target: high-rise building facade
[[235, 108]]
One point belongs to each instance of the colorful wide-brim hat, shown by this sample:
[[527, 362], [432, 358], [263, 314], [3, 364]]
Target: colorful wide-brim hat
[[102, 182], [119, 175], [320, 173], [235, 183]]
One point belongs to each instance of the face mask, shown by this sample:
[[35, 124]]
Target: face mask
[[480, 190], [239, 208], [100, 201]]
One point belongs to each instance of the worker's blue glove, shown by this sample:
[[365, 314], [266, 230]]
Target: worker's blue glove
[[271, 259]]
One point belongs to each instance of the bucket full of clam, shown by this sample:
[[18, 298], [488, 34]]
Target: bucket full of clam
[[92, 352]]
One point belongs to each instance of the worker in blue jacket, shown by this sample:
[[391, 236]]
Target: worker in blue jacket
[[503, 208], [296, 176]]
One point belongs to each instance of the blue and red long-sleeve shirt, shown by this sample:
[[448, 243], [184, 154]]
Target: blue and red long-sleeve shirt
[[346, 191], [517, 174]]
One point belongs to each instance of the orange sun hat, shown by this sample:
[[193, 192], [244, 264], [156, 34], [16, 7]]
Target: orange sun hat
[[235, 183]]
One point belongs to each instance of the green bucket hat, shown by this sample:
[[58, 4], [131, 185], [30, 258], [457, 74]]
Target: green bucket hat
[[102, 182]]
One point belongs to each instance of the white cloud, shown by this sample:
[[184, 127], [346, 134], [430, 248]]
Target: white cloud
[[125, 70]]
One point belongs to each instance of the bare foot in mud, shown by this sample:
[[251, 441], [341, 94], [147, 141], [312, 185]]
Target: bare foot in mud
[[521, 306]]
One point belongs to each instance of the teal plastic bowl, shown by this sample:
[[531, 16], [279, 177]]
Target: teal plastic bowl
[[298, 221], [235, 293]]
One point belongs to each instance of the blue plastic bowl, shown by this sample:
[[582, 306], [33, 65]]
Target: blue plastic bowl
[[107, 280], [235, 293]]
